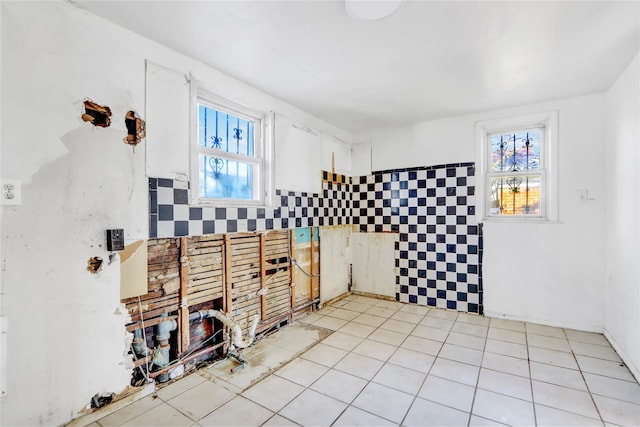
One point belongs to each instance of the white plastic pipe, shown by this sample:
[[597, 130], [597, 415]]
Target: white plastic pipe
[[236, 331]]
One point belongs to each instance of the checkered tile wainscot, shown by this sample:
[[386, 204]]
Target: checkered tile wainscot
[[439, 252]]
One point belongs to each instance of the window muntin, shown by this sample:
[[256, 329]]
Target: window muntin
[[230, 155], [515, 176]]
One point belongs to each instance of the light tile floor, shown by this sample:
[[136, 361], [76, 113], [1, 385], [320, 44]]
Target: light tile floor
[[389, 363]]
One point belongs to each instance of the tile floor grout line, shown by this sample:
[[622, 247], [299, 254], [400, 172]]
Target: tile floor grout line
[[475, 389], [369, 381], [593, 400], [427, 376], [533, 398]]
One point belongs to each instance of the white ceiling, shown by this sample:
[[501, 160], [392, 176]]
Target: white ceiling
[[430, 59]]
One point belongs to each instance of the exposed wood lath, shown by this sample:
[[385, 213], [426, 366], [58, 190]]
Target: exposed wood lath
[[241, 274]]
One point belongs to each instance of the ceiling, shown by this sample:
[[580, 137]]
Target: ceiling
[[428, 60]]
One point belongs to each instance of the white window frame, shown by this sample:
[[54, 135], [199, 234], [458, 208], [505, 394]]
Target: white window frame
[[263, 148], [548, 123]]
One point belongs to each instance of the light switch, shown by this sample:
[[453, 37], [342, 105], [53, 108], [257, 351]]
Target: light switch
[[11, 191]]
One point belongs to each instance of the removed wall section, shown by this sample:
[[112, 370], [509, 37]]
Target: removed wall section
[[241, 274]]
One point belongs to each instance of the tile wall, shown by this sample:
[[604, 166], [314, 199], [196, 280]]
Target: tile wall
[[439, 252]]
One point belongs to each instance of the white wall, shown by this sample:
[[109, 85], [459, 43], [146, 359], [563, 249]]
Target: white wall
[[374, 270], [335, 256], [622, 291], [66, 337], [544, 273]]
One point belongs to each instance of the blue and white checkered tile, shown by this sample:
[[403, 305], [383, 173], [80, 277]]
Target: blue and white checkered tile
[[433, 209], [171, 215]]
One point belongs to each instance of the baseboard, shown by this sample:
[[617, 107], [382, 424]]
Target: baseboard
[[635, 370]]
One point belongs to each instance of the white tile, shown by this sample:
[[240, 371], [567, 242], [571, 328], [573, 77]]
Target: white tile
[[380, 312], [504, 409], [415, 309], [552, 357], [398, 326], [461, 354], [399, 378], [543, 341], [595, 350], [357, 417], [310, 318], [180, 386], [547, 416], [357, 306], [303, 372], [390, 305], [237, 412], [438, 323], [435, 334], [550, 331], [611, 387], [443, 314], [312, 408], [388, 337], [361, 366], [474, 319], [603, 367], [339, 385], [512, 325], [449, 393], [341, 313], [262, 393], [384, 402], [476, 421], [408, 317], [469, 341], [415, 360], [375, 349], [564, 398], [618, 412], [587, 337], [201, 400], [506, 364], [163, 415], [455, 371], [510, 385], [341, 340], [279, 421], [369, 319], [131, 411], [466, 328], [324, 354], [422, 345], [357, 329], [426, 413], [506, 348], [329, 322], [507, 335], [557, 375]]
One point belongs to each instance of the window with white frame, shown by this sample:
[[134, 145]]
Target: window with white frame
[[518, 165], [231, 155]]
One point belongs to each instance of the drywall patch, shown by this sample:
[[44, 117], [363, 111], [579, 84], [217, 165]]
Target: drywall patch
[[97, 115], [136, 128], [94, 265]]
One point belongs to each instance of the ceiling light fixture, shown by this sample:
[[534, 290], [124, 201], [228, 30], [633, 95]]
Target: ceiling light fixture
[[371, 10]]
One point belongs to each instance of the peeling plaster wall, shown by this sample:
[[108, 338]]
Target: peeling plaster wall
[[66, 339]]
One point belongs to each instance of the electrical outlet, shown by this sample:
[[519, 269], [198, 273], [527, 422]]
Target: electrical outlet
[[11, 191]]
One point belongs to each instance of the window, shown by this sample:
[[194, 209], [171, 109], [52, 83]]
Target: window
[[518, 168], [231, 159]]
